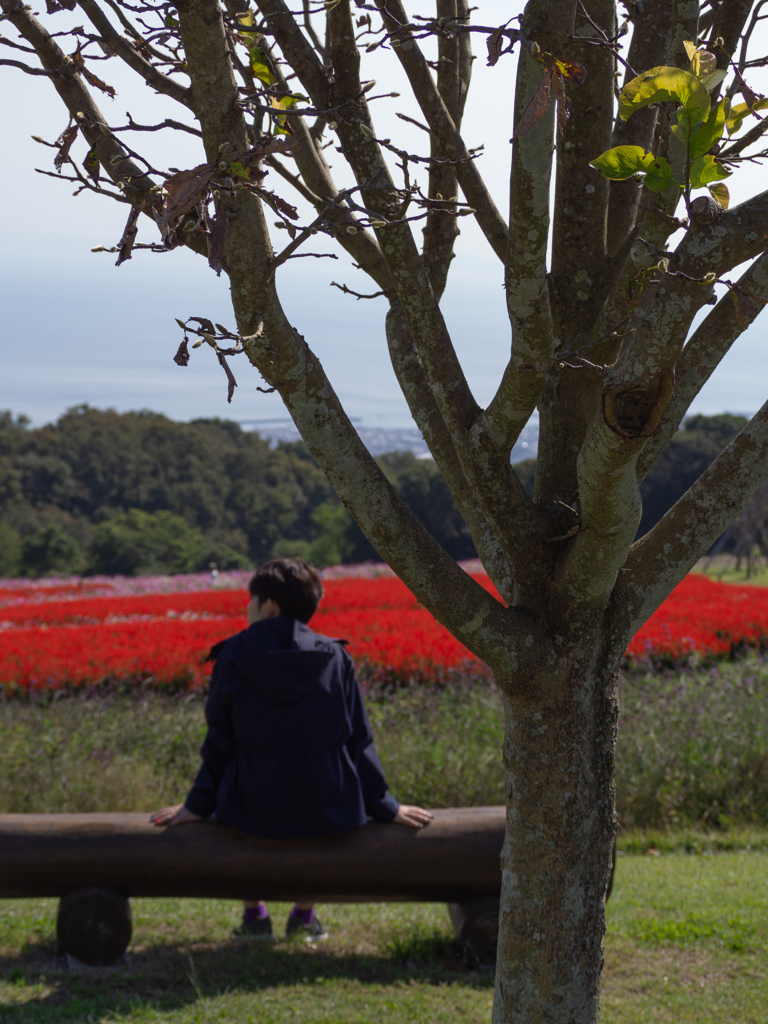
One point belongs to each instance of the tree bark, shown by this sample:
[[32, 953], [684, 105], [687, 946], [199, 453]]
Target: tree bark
[[559, 771]]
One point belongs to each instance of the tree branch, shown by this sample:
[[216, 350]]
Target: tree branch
[[499, 635], [580, 220], [659, 560], [442, 227], [650, 37], [80, 104], [25, 68], [527, 287], [282, 26], [704, 351], [610, 507], [127, 52], [441, 124]]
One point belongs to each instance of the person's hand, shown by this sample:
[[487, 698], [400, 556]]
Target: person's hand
[[414, 817], [175, 815]]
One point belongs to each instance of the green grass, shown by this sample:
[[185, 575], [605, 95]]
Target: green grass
[[687, 943], [723, 568], [692, 750]]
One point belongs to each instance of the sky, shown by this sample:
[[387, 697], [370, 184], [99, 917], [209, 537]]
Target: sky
[[76, 329]]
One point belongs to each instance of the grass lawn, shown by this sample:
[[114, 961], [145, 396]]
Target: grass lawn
[[723, 568], [687, 942]]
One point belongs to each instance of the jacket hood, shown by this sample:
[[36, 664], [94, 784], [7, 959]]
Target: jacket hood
[[282, 658]]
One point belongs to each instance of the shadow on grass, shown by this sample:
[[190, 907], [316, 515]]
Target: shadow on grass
[[37, 987]]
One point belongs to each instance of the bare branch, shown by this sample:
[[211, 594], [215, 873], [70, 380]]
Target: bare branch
[[26, 69], [441, 124], [733, 314], [280, 23], [125, 49], [357, 295], [659, 560], [132, 126], [442, 229], [526, 281], [580, 213]]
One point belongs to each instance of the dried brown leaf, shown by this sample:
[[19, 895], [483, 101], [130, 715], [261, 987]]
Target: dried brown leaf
[[129, 236], [218, 240], [64, 142], [181, 193], [495, 43], [205, 323], [231, 382], [182, 356], [537, 108], [77, 60], [571, 70], [276, 202]]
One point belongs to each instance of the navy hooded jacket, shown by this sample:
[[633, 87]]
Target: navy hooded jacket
[[289, 750]]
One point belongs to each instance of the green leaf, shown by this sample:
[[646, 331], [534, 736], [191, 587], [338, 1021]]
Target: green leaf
[[92, 165], [622, 162], [703, 136], [739, 112], [661, 84], [720, 194], [259, 65], [712, 130], [707, 169], [712, 80]]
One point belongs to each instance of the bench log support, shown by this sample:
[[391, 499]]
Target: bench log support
[[95, 862]]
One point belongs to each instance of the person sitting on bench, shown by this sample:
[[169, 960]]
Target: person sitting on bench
[[289, 751]]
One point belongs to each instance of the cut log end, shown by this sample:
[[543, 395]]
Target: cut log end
[[94, 925]]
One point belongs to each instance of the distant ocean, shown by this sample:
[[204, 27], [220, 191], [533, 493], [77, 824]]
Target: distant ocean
[[380, 440]]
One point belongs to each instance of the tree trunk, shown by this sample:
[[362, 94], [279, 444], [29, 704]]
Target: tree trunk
[[560, 795]]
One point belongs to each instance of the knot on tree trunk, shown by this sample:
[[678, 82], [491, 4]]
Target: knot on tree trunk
[[704, 210], [634, 410]]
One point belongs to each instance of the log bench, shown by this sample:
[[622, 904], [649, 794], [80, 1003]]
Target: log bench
[[94, 863]]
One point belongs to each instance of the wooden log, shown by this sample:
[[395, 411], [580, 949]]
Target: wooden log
[[455, 859]]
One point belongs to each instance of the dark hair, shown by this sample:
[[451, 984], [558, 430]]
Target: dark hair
[[294, 586]]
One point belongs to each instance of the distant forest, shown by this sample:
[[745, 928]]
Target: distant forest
[[107, 492]]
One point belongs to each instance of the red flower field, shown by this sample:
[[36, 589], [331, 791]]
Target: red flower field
[[84, 633]]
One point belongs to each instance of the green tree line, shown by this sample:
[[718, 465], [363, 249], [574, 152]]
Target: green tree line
[[105, 492]]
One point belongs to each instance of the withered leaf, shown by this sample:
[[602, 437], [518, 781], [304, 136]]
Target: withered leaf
[[218, 240], [537, 108], [205, 323], [183, 190], [571, 70], [231, 382], [129, 235], [182, 356], [64, 142], [276, 202], [92, 165], [77, 60], [563, 103], [269, 144], [495, 42]]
